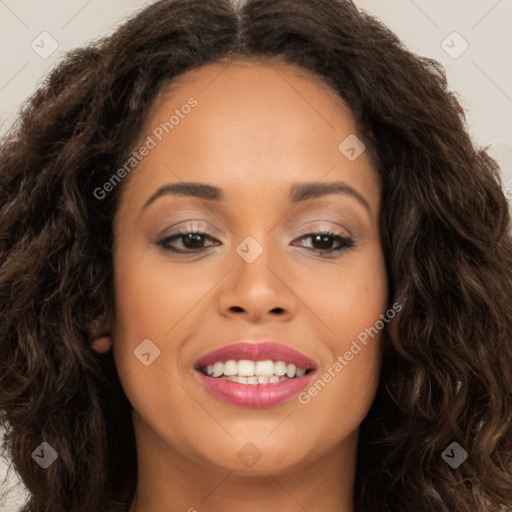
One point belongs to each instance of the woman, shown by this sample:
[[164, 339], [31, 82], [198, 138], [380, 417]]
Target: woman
[[251, 258]]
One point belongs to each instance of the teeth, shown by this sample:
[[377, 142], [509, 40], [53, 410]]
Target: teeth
[[255, 380], [230, 368], [290, 370], [280, 368], [240, 380], [259, 372], [245, 368], [218, 369], [265, 368]]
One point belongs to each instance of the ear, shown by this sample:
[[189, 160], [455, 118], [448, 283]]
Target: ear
[[102, 345], [102, 340]]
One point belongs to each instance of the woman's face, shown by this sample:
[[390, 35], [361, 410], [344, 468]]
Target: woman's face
[[257, 138]]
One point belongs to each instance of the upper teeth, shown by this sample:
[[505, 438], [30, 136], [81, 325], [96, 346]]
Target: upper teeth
[[247, 368]]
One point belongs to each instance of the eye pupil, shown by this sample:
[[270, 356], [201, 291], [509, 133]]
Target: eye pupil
[[325, 241], [196, 240]]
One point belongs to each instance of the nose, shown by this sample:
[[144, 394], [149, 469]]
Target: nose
[[258, 291]]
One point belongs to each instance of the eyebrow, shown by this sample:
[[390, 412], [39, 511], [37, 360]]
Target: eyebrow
[[298, 192], [304, 191]]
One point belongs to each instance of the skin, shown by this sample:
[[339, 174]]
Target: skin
[[257, 128]]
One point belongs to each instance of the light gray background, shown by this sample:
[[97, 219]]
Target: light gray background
[[482, 74]]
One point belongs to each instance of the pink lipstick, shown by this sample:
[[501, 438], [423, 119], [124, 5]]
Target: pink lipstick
[[250, 374]]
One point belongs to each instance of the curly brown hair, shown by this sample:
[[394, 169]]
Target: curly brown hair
[[447, 370]]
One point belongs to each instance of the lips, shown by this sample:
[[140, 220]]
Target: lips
[[260, 351], [255, 391]]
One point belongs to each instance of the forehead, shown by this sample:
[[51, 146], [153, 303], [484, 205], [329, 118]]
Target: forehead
[[253, 124], [254, 92]]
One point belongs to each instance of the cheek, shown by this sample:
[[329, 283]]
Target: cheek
[[341, 395], [350, 296], [151, 298], [146, 306], [155, 300], [150, 301], [351, 306]]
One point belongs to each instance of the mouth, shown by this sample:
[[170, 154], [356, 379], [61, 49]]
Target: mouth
[[246, 371], [255, 374]]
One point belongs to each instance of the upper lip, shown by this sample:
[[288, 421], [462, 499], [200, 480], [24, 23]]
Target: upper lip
[[256, 351]]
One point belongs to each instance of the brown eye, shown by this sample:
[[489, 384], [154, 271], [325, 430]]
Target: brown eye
[[323, 241], [191, 241]]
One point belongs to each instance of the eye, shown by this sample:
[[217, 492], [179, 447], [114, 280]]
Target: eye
[[191, 239], [322, 241]]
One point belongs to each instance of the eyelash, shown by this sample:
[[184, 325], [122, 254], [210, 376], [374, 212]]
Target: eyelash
[[345, 243]]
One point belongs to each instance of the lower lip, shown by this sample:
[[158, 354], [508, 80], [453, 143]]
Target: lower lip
[[254, 395]]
